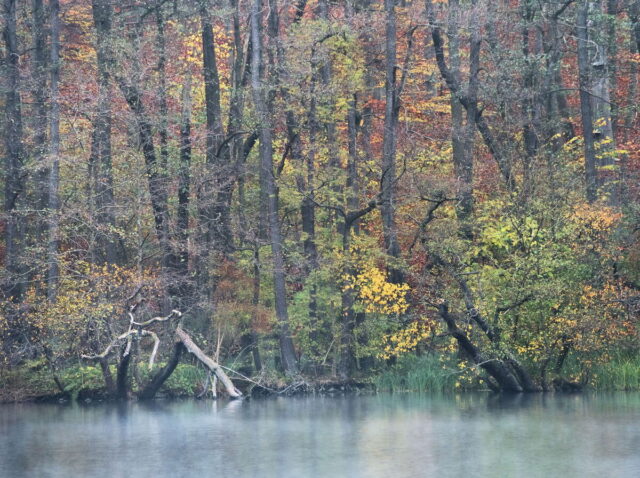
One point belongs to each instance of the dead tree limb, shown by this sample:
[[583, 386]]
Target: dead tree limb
[[208, 362]]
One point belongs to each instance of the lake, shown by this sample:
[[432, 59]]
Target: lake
[[466, 435]]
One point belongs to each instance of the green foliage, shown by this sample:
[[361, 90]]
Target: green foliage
[[417, 374], [619, 374], [186, 380]]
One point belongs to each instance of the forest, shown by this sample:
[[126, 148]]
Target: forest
[[226, 196]]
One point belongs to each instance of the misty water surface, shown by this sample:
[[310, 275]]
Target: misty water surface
[[373, 436]]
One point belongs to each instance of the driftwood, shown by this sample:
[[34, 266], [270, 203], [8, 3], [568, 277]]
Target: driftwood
[[208, 362]]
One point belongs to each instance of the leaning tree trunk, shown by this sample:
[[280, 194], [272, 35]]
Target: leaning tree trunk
[[138, 330], [494, 367], [209, 363], [151, 389]]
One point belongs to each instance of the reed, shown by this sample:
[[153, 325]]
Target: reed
[[416, 374]]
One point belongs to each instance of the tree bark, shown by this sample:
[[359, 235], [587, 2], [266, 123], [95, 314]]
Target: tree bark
[[211, 364], [220, 169], [184, 186], [122, 375], [347, 355], [54, 153], [585, 101], [461, 134], [40, 66], [14, 158], [388, 181], [259, 88], [100, 167], [470, 100], [494, 367], [151, 389]]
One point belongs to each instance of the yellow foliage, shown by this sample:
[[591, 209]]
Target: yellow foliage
[[377, 294], [88, 296], [405, 340]]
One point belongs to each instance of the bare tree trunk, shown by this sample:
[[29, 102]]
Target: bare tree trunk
[[634, 47], [612, 9], [100, 157], [470, 100], [558, 126], [163, 107], [259, 89], [106, 374], [155, 180], [388, 182], [329, 125], [347, 355], [209, 363], [221, 177], [306, 186], [184, 185], [461, 135], [15, 157], [532, 101], [255, 301], [602, 73], [54, 153], [585, 101], [39, 77], [156, 177]]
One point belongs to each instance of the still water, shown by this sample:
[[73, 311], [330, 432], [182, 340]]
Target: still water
[[386, 436]]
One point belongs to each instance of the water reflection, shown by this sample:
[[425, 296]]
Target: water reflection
[[470, 435]]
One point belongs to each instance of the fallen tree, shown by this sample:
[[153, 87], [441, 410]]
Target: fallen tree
[[127, 344]]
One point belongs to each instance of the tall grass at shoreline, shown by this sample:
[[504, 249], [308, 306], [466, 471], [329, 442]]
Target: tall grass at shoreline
[[416, 374], [621, 374]]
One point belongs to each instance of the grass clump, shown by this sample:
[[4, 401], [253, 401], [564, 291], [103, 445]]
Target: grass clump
[[621, 374], [416, 374]]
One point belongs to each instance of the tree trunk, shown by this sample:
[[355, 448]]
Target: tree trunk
[[122, 376], [347, 355], [184, 185], [39, 76], [461, 135], [155, 180], [100, 158], [151, 389], [15, 157], [209, 363], [287, 350], [163, 108], [585, 101], [54, 153], [220, 169], [602, 73], [388, 182], [494, 367], [470, 100], [255, 301]]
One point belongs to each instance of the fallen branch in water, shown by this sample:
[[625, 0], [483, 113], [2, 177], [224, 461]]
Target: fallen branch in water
[[208, 362]]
